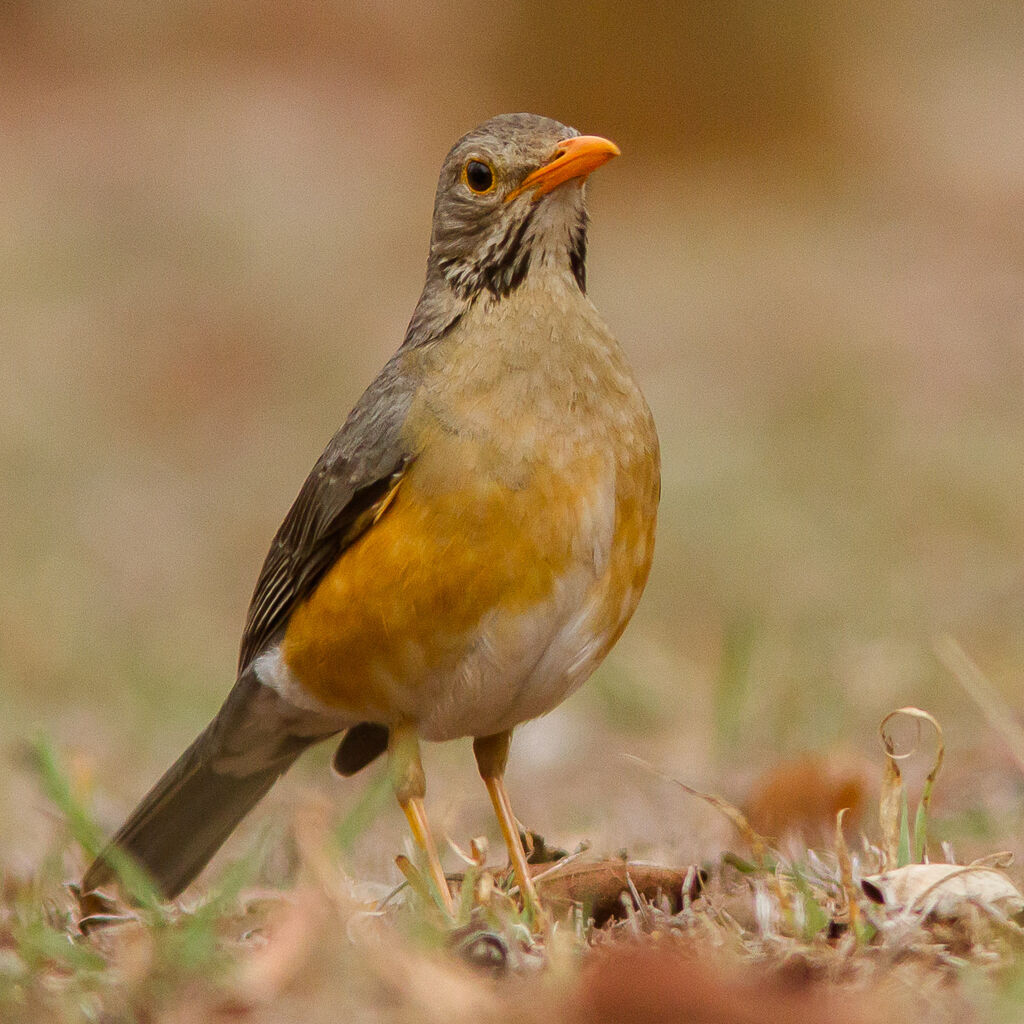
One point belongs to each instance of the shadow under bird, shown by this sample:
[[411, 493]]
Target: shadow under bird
[[470, 544]]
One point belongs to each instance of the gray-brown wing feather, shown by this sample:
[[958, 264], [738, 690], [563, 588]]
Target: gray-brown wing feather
[[351, 480], [257, 734]]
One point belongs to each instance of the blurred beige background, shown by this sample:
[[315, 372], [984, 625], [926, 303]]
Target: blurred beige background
[[213, 226]]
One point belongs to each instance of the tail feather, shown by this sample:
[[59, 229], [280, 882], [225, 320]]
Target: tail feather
[[186, 817]]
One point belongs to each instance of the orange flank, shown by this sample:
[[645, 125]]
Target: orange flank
[[452, 547], [405, 599]]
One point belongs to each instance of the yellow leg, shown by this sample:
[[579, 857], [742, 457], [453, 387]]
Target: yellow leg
[[491, 755], [410, 788]]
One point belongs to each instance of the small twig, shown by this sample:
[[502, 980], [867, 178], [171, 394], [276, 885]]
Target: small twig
[[555, 868], [758, 844]]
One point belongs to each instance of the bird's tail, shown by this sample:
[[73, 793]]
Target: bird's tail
[[186, 817]]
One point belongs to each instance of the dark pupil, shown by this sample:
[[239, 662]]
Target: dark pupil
[[479, 176]]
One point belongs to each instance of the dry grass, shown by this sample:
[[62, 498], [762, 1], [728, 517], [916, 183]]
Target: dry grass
[[878, 932]]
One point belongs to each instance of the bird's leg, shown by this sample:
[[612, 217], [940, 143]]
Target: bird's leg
[[410, 788], [491, 755]]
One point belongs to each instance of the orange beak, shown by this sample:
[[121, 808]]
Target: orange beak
[[574, 158]]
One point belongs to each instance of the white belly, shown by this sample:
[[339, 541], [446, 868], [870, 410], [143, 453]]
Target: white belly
[[520, 668]]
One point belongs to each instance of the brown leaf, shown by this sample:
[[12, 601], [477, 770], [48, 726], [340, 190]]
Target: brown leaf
[[802, 796], [599, 885]]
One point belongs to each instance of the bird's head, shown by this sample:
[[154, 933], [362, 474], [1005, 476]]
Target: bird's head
[[509, 199]]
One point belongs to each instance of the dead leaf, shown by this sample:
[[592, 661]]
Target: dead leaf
[[599, 886], [802, 795], [944, 890]]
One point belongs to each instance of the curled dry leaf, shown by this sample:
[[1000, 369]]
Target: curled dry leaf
[[890, 803], [944, 890], [919, 716]]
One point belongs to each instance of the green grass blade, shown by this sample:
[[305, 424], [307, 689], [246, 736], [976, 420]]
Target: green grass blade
[[903, 853], [85, 831]]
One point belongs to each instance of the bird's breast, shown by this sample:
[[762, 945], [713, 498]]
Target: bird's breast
[[511, 556]]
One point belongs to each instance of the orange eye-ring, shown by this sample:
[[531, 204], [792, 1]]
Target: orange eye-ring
[[478, 176]]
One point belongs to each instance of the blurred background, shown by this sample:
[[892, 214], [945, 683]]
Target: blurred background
[[213, 227]]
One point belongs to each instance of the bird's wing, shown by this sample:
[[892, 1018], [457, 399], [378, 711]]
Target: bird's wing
[[347, 490]]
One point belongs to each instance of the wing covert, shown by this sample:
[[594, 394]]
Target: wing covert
[[347, 489]]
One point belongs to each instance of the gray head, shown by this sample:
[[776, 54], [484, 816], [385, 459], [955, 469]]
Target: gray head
[[509, 198]]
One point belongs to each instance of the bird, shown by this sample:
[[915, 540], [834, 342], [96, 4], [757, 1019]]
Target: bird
[[470, 544]]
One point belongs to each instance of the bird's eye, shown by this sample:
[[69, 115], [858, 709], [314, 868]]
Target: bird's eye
[[478, 176]]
